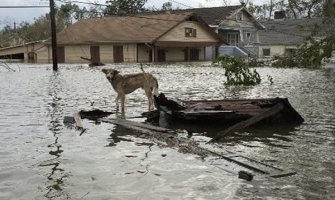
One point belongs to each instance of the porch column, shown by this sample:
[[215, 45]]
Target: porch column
[[154, 54]]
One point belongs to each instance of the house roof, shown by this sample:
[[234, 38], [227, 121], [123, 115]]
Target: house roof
[[217, 16], [212, 15], [23, 44], [125, 29], [288, 31]]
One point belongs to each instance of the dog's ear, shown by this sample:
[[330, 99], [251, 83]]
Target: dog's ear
[[104, 70]]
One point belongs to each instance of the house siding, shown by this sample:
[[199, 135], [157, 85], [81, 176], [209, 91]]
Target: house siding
[[178, 33], [275, 50], [39, 48], [143, 53]]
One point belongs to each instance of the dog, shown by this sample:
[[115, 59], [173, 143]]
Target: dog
[[126, 84]]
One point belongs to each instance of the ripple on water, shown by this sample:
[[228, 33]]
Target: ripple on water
[[41, 158]]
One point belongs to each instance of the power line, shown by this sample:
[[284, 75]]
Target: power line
[[81, 2], [24, 6]]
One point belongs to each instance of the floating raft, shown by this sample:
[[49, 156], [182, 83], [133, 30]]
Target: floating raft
[[228, 110], [238, 114]]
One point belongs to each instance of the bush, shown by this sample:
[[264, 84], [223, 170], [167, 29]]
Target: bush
[[237, 71]]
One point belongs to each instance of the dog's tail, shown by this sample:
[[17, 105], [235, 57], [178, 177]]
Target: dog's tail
[[142, 68]]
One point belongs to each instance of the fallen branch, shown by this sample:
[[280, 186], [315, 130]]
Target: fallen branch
[[93, 63], [5, 65]]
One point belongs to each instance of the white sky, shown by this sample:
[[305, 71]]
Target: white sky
[[9, 15]]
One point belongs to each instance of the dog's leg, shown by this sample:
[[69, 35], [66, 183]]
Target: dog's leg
[[123, 99], [150, 100], [117, 103]]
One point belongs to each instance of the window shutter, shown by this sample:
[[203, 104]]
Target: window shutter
[[194, 33]]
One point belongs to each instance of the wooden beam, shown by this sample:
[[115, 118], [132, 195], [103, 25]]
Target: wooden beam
[[136, 125], [77, 120], [251, 121], [189, 146]]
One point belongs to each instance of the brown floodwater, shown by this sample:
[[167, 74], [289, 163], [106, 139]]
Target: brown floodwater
[[42, 158]]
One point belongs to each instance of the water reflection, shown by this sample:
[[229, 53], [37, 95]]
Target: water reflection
[[57, 174], [111, 162]]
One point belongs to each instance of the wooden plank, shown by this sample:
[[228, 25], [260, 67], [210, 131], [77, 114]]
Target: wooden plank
[[246, 123], [136, 125], [77, 120], [192, 147]]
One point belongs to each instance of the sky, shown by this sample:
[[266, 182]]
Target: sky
[[17, 15]]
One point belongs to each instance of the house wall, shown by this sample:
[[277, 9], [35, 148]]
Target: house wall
[[74, 52], [143, 53], [275, 50], [130, 52], [178, 33], [39, 48]]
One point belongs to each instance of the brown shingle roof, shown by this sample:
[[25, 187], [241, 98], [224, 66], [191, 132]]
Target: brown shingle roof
[[211, 15], [214, 15], [288, 31], [127, 29]]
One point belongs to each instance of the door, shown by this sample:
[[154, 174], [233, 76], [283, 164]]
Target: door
[[233, 39], [60, 55], [118, 54], [161, 55], [95, 54], [194, 54]]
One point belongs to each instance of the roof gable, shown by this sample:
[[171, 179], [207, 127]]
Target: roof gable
[[126, 29], [248, 19]]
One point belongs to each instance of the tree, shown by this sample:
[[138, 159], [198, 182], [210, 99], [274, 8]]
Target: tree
[[320, 44], [167, 6], [305, 8], [123, 7]]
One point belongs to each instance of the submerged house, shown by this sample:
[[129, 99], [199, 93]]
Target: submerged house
[[199, 34], [236, 26], [26, 52], [161, 37], [283, 36]]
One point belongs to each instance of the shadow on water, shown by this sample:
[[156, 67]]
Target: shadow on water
[[57, 175]]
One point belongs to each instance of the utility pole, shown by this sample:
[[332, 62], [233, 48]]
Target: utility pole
[[53, 35]]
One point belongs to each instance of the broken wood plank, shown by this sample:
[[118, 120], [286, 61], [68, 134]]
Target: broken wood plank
[[185, 145], [136, 125], [77, 120], [251, 121]]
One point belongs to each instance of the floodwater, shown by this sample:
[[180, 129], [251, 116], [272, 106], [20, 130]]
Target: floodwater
[[41, 158]]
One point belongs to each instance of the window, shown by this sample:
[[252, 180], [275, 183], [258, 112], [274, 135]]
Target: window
[[233, 38], [239, 16], [190, 32], [266, 52], [248, 34]]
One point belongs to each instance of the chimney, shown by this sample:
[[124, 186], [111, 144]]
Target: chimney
[[280, 15]]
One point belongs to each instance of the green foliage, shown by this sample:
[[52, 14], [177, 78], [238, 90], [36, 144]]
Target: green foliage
[[123, 7], [318, 46], [237, 71], [167, 6]]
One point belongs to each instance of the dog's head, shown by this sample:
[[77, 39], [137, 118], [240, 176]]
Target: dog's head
[[110, 73]]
